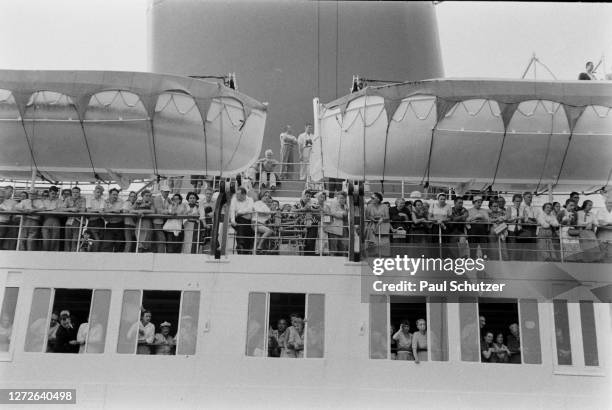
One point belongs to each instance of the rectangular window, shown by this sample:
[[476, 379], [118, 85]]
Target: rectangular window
[[68, 320], [315, 326], [95, 335], [562, 335], [130, 314], [39, 323], [438, 329], [589, 335], [405, 313], [294, 326], [530, 332], [256, 325], [188, 326], [7, 317], [499, 331], [150, 319], [379, 329], [470, 331], [405, 327]]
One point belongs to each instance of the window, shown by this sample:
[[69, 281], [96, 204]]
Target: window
[[7, 317], [498, 343], [589, 335], [500, 331], [576, 336], [286, 325], [562, 335], [402, 328], [150, 319], [68, 320]]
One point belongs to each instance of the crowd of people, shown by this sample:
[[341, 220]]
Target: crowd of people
[[63, 336], [497, 348], [407, 345], [287, 341], [518, 231], [320, 225], [174, 224], [316, 224]]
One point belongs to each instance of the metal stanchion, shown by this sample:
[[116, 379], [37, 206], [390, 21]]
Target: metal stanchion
[[197, 222], [439, 240], [78, 247], [499, 248], [138, 233], [19, 232], [255, 234]]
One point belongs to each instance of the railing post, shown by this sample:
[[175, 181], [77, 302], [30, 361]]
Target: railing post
[[198, 223], [379, 246], [138, 231], [499, 248], [561, 246], [260, 178], [19, 232], [255, 236], [320, 233], [78, 247], [439, 240]]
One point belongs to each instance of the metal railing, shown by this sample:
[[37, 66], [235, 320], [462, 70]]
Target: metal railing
[[297, 233]]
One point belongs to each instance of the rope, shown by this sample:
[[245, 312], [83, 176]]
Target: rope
[[93, 168], [569, 140], [501, 149], [545, 163]]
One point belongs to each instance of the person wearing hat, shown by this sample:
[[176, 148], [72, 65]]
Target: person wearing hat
[[65, 337], [164, 342]]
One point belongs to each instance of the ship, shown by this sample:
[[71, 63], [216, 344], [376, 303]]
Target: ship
[[143, 130]]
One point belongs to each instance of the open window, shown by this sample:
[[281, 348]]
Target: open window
[[159, 322], [500, 331], [404, 326], [68, 320], [286, 325]]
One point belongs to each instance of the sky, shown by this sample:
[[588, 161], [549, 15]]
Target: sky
[[478, 39]]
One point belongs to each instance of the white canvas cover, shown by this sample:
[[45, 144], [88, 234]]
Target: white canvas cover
[[512, 134], [88, 125]]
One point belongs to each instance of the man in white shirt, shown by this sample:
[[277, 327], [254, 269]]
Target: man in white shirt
[[288, 143], [7, 204], [305, 148], [241, 209], [51, 223], [95, 224], [146, 332], [31, 221], [530, 224], [514, 217], [113, 234], [162, 203]]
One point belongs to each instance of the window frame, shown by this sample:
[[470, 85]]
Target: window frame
[[178, 325], [428, 320], [578, 366], [11, 279], [267, 324], [50, 311]]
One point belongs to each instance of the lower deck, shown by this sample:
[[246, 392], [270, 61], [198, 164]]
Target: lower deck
[[234, 305]]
